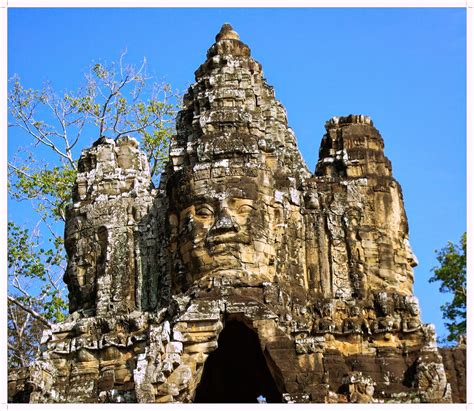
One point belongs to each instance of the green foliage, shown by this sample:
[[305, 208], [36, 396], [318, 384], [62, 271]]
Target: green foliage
[[30, 269], [48, 188], [34, 283], [22, 256], [116, 100], [452, 274]]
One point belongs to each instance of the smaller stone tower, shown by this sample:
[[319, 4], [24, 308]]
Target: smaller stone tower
[[111, 196]]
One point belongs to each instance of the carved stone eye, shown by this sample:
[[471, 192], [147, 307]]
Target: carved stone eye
[[246, 209], [204, 211]]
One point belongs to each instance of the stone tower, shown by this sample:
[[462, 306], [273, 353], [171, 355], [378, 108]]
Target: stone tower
[[243, 274]]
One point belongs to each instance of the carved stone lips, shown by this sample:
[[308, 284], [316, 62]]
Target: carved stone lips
[[225, 241]]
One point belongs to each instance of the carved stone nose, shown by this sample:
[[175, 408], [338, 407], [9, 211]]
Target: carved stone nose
[[224, 223]]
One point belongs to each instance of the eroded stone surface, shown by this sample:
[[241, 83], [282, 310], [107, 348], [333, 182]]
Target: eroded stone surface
[[318, 264]]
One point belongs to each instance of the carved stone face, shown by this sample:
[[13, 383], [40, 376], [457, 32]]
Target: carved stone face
[[355, 311], [382, 303], [412, 305], [225, 231], [370, 389]]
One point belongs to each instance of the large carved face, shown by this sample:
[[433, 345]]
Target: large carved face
[[224, 230]]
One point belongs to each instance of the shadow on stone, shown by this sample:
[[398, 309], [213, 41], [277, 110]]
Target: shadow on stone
[[237, 372]]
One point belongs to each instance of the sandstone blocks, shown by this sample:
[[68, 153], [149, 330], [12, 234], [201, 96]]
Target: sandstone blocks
[[316, 266]]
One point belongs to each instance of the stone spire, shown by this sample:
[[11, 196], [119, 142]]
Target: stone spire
[[352, 147], [231, 101], [227, 33], [234, 132]]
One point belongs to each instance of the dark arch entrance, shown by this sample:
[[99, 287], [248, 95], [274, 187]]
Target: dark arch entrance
[[236, 372]]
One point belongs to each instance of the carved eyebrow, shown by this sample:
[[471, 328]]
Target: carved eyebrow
[[204, 210], [204, 206], [246, 208]]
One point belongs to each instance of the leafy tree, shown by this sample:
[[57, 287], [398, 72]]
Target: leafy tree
[[115, 100], [35, 280], [452, 274]]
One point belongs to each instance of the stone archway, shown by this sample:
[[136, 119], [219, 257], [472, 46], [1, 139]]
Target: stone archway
[[236, 372]]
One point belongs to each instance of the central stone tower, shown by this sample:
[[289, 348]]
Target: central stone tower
[[243, 274]]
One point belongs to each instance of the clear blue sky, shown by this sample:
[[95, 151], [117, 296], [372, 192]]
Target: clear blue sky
[[406, 68]]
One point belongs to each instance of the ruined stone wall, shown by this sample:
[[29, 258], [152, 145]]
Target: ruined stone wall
[[317, 267], [454, 360]]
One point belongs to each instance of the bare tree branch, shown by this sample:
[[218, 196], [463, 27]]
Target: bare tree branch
[[39, 317]]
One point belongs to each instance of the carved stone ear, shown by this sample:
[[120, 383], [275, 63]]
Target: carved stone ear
[[278, 213], [173, 225]]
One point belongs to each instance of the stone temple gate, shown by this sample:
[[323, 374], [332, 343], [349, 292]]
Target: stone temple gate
[[243, 274]]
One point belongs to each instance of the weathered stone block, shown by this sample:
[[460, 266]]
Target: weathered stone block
[[200, 347]]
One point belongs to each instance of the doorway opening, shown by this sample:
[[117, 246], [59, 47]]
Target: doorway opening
[[236, 372]]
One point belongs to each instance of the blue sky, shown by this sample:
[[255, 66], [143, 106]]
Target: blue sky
[[406, 68]]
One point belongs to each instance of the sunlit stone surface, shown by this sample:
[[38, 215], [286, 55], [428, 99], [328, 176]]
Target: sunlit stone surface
[[316, 267]]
